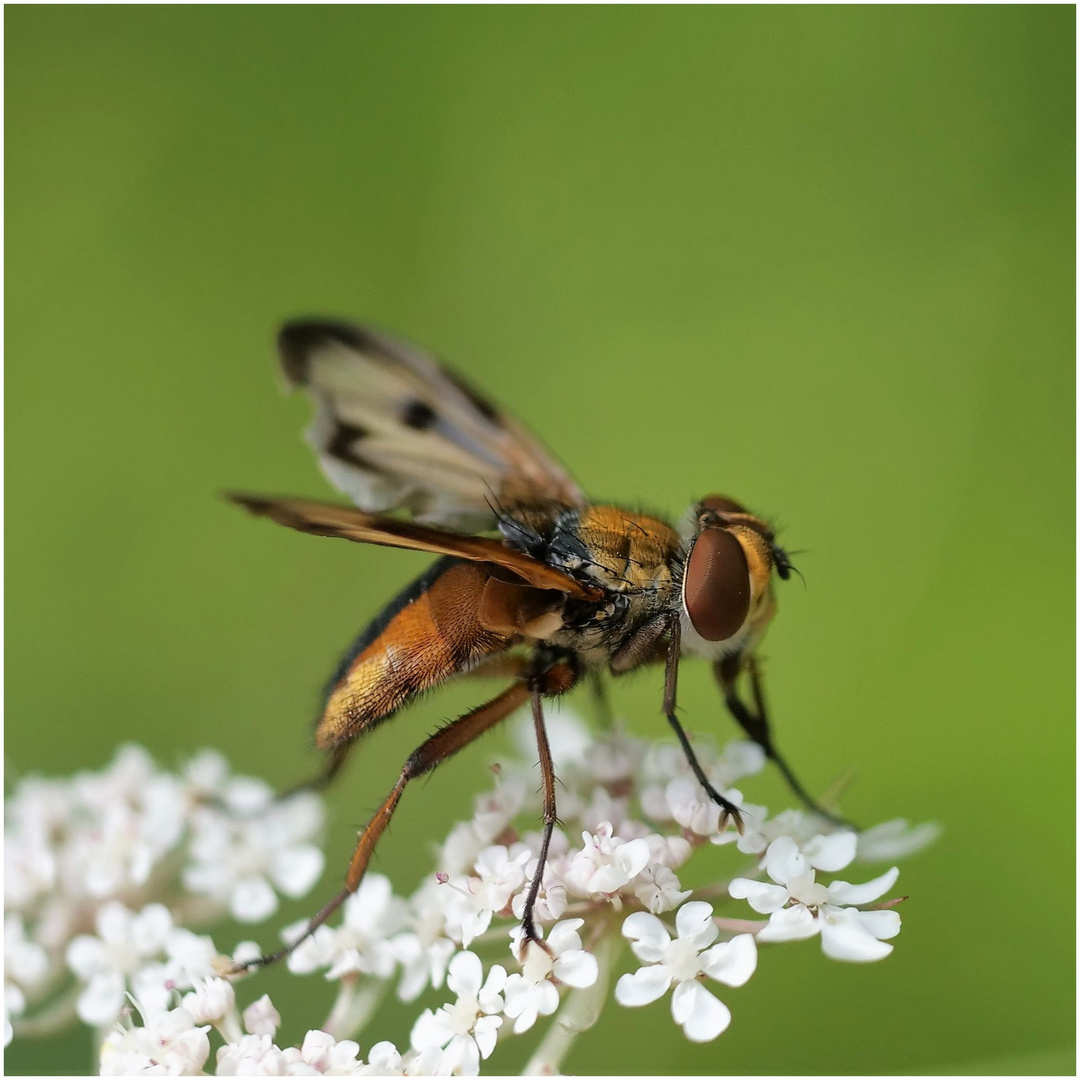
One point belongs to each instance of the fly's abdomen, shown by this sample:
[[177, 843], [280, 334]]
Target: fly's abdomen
[[428, 633]]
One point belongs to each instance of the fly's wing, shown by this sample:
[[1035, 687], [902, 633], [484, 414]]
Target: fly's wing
[[395, 430], [328, 519]]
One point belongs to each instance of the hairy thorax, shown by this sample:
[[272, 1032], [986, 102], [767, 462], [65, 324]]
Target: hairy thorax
[[633, 557]]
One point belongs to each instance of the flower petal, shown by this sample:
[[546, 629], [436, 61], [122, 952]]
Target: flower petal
[[790, 924], [895, 839], [731, 962], [760, 895], [694, 922], [86, 955], [833, 852], [577, 968], [632, 857], [844, 894], [466, 974], [643, 986], [100, 1003], [150, 928], [843, 937], [701, 1015], [783, 860], [564, 936], [882, 924], [296, 869], [252, 900], [648, 935], [485, 1033]]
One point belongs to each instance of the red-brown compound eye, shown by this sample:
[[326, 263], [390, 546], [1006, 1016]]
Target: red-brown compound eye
[[716, 585]]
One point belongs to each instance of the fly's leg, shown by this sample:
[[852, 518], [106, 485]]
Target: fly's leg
[[551, 682], [671, 675], [755, 722], [445, 742]]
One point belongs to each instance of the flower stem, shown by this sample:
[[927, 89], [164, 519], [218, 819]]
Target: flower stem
[[57, 1015], [579, 1011], [740, 926], [354, 1007]]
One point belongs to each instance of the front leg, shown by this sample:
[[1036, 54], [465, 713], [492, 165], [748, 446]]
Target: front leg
[[671, 674], [755, 722]]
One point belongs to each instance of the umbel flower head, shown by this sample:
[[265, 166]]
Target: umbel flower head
[[114, 940]]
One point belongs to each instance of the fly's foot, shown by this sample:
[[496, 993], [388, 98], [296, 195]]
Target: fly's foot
[[728, 810], [530, 936], [231, 969]]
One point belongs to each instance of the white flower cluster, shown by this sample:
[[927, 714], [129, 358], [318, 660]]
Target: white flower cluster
[[174, 1042], [106, 873], [631, 815]]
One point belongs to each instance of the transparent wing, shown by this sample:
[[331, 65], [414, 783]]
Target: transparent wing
[[395, 430]]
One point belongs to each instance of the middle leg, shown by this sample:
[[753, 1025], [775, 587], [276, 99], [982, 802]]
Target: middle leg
[[546, 682]]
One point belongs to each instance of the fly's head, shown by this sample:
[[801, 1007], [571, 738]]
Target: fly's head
[[729, 565]]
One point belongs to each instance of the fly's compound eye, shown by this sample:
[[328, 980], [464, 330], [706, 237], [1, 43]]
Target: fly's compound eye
[[716, 585]]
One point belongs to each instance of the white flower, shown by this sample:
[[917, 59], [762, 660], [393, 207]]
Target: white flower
[[534, 993], [25, 961], [694, 810], [125, 819], [322, 1055], [124, 943], [454, 1039], [550, 900], [670, 784], [569, 737], [613, 758], [804, 828], [168, 1043], [240, 855], [469, 901], [492, 815], [423, 962], [657, 888], [209, 843], [211, 1000], [361, 943], [189, 957], [29, 861], [799, 907], [251, 1055], [383, 1060], [605, 864], [682, 961], [261, 1018], [498, 873]]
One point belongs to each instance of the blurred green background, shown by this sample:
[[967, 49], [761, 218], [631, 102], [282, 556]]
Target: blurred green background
[[817, 257]]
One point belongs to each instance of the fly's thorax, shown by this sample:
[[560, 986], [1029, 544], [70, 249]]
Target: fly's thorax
[[621, 551], [631, 556]]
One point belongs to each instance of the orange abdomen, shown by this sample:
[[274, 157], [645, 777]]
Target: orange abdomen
[[428, 633]]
